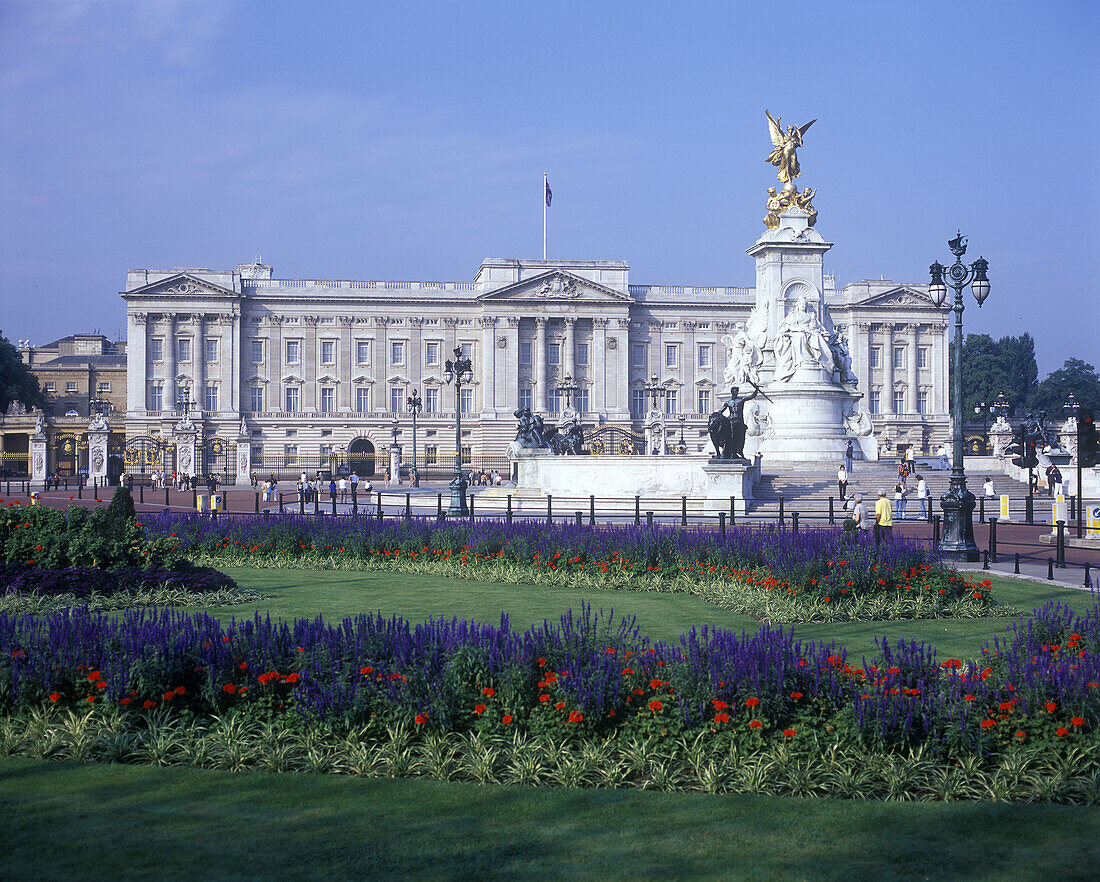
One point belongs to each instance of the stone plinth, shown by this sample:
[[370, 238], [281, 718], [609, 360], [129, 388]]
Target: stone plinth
[[707, 483], [807, 425], [38, 461]]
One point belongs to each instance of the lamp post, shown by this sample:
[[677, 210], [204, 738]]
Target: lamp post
[[984, 411], [414, 404], [185, 402], [458, 371], [98, 405], [654, 389], [1072, 410], [683, 419], [568, 387], [957, 541]]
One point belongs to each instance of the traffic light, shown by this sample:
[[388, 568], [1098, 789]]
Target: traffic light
[[1089, 451], [1027, 458]]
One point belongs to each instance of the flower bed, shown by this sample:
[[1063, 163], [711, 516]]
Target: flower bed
[[769, 571], [80, 583], [586, 678]]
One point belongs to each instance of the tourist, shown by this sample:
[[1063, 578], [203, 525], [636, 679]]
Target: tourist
[[859, 514], [1055, 481], [900, 492], [987, 487], [922, 496], [266, 492], [342, 484], [849, 452], [332, 491], [353, 484], [945, 462], [842, 481], [884, 523]]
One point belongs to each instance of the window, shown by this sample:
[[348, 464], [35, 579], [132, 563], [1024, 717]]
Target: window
[[704, 356], [293, 351], [291, 399], [70, 388], [553, 401], [431, 400], [875, 353], [431, 353], [257, 351], [103, 388], [156, 397], [637, 403], [553, 354], [257, 455], [922, 401], [873, 400], [328, 352], [672, 355], [466, 453], [582, 355], [326, 452], [257, 399], [50, 388], [362, 400], [290, 454], [467, 400], [704, 401], [210, 398], [467, 350], [637, 355], [525, 398], [328, 399], [397, 399], [183, 349], [397, 352], [211, 349], [156, 349], [431, 454], [899, 357], [362, 352], [580, 400], [672, 401], [922, 356], [899, 401], [525, 353]]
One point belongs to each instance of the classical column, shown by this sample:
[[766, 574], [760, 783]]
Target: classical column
[[914, 380], [346, 361], [507, 376], [198, 363], [569, 332], [309, 363], [540, 370], [380, 391], [487, 358], [169, 395], [137, 365], [597, 365], [231, 366], [888, 366]]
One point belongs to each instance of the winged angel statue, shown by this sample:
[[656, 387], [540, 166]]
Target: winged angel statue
[[785, 155]]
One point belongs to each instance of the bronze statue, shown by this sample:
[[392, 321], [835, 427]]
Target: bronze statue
[[785, 155], [529, 432], [727, 433]]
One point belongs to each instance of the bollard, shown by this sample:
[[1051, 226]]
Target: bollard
[[1088, 575], [1016, 565], [649, 519], [637, 511], [832, 514], [141, 493], [591, 511], [794, 521], [439, 505], [280, 503], [985, 560], [981, 509], [1061, 546], [508, 511], [301, 502], [935, 531], [95, 484], [471, 506], [1029, 510], [166, 502], [733, 510], [722, 524], [549, 509], [780, 509], [380, 505], [1050, 568], [993, 539], [267, 515], [194, 498], [578, 514], [683, 511], [80, 493], [257, 503], [354, 501], [408, 506], [334, 505], [316, 501]]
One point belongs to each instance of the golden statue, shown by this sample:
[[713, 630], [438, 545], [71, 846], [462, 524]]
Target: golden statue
[[785, 155]]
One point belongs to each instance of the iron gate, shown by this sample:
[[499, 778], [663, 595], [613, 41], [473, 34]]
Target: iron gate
[[615, 441]]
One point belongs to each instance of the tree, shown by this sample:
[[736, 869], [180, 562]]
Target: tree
[[985, 371], [17, 383], [1023, 371], [1074, 376]]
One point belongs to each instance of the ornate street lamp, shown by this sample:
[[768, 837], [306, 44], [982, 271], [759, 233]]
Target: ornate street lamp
[[458, 371], [985, 411], [414, 404], [1072, 410], [957, 541], [1000, 406], [568, 387], [99, 405], [185, 402], [683, 419], [654, 389]]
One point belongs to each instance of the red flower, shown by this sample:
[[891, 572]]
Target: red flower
[[293, 678], [366, 670], [180, 690], [719, 704], [655, 705], [654, 684], [101, 684], [721, 718], [1060, 731], [1050, 706], [168, 696], [752, 702], [796, 695], [506, 719], [789, 733], [542, 662], [560, 705], [489, 690], [90, 698], [1020, 733], [55, 697], [420, 719], [755, 724], [968, 697], [576, 717], [544, 697], [1078, 721], [149, 703], [230, 688], [987, 723], [479, 709], [95, 675], [243, 666], [126, 700]]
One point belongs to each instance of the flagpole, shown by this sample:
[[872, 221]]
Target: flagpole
[[545, 184]]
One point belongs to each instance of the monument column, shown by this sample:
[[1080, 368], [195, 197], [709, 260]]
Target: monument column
[[541, 371], [913, 373]]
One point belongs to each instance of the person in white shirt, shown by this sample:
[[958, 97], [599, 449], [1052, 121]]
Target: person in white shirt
[[842, 481], [987, 488], [922, 496], [945, 461], [342, 486]]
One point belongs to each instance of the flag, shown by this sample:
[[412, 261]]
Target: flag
[[549, 194]]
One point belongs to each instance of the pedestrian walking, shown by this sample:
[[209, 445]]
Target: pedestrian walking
[[922, 496], [849, 452], [884, 522], [900, 492], [342, 484]]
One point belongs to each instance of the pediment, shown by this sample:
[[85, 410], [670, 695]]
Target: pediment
[[293, 380], [556, 286], [362, 380], [903, 295], [183, 285]]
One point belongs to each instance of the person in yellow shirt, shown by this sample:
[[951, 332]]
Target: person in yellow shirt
[[884, 521]]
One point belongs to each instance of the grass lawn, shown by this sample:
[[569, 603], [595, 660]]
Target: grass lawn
[[334, 595], [65, 821]]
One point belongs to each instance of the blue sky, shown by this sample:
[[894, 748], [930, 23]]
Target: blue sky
[[408, 141]]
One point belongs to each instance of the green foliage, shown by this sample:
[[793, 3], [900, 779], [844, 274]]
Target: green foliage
[[17, 383], [990, 368], [1074, 376], [121, 509]]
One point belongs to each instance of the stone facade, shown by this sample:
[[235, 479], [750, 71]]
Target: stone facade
[[306, 370]]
